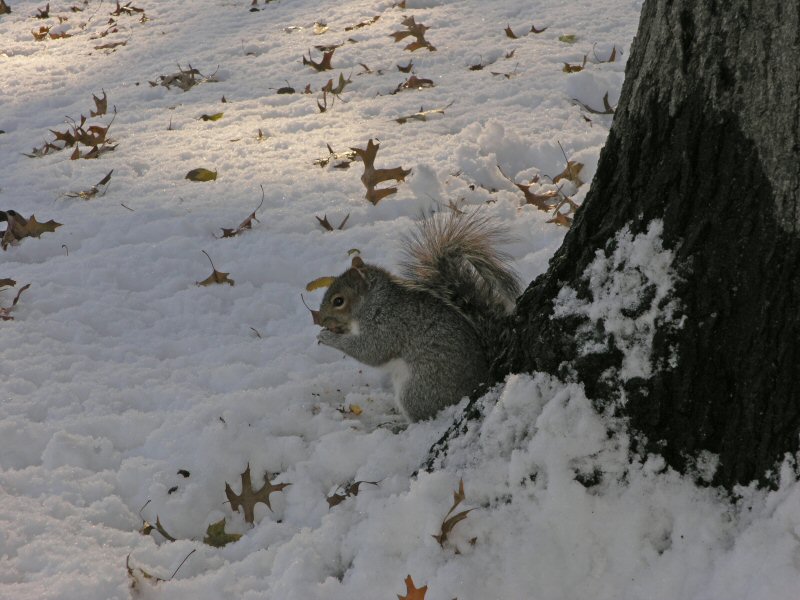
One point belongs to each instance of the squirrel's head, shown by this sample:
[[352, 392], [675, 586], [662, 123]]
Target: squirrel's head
[[343, 298]]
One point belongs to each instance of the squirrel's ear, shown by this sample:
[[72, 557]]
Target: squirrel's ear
[[357, 263]]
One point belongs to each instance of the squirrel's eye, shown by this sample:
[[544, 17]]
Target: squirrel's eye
[[338, 301]]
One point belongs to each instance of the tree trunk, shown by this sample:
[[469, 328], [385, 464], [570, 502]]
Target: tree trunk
[[705, 144]]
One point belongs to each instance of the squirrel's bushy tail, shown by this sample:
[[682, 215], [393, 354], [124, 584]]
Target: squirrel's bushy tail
[[455, 257]]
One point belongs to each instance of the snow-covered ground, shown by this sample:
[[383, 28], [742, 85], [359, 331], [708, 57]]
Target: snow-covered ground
[[128, 394]]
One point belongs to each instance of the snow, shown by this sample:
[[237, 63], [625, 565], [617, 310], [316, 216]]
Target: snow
[[118, 371], [630, 299]]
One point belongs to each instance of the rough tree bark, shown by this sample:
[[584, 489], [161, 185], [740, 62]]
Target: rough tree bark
[[706, 138]]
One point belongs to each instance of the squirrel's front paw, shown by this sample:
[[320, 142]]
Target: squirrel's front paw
[[328, 337]]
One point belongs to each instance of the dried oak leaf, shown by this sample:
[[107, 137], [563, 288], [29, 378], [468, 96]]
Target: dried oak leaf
[[372, 176], [568, 68], [249, 497], [324, 64], [217, 536], [101, 104], [413, 593], [450, 522], [19, 227], [216, 276], [417, 30], [541, 201]]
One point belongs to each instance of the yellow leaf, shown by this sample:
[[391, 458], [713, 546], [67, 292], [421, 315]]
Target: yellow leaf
[[319, 282], [201, 175]]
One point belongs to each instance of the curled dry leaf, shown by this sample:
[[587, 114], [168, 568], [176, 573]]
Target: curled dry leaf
[[414, 83], [423, 115], [324, 64], [450, 522], [364, 23], [345, 157], [350, 489], [320, 282], [247, 223], [571, 173], [249, 497], [99, 189], [5, 312], [100, 104]]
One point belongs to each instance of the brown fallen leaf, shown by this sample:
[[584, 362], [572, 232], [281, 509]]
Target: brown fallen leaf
[[101, 104], [248, 498], [423, 115], [414, 83], [561, 219], [4, 8], [326, 225], [417, 30], [99, 189], [413, 593], [43, 13], [407, 68], [5, 312], [607, 108], [19, 227], [247, 223], [372, 176], [510, 33], [323, 65], [351, 489], [7, 283], [364, 23], [534, 30], [541, 201], [568, 68], [571, 173], [126, 9], [346, 157], [216, 276], [448, 523]]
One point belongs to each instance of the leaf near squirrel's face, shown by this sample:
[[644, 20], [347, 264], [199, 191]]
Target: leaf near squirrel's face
[[341, 298]]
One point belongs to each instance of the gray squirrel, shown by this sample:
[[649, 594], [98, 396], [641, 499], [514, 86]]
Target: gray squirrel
[[431, 328]]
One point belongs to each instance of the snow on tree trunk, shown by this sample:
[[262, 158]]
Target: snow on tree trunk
[[702, 170]]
